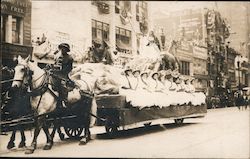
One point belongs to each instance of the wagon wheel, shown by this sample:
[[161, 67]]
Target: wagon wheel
[[73, 131], [110, 127], [178, 121], [111, 131]]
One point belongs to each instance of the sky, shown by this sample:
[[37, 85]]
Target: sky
[[165, 6]]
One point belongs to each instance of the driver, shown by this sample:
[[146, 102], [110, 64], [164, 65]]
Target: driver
[[63, 65]]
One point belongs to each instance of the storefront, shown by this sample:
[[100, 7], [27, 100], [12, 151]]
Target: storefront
[[15, 30]]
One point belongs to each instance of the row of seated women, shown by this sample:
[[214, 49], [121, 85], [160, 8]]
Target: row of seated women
[[163, 88]]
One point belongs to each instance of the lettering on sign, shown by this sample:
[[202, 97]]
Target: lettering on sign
[[14, 7]]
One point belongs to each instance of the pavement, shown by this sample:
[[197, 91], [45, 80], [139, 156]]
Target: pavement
[[223, 133]]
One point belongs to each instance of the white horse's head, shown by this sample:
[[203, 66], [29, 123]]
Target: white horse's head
[[20, 71], [24, 70]]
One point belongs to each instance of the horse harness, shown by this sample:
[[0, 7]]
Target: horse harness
[[44, 86]]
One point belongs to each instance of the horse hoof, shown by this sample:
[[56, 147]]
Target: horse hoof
[[61, 136], [83, 141], [10, 145], [21, 145], [47, 147], [29, 151]]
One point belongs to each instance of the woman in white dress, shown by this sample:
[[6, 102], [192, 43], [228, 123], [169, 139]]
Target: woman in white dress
[[163, 91], [143, 93], [173, 89], [136, 79], [200, 97], [184, 99], [127, 87], [154, 85], [190, 94], [132, 93]]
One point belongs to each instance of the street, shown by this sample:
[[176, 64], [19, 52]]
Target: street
[[223, 133]]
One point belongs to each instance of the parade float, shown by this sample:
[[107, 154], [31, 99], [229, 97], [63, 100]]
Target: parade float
[[142, 93]]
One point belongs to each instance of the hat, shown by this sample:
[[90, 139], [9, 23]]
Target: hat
[[136, 71], [64, 45], [127, 70], [97, 41], [191, 79], [175, 74], [154, 74], [144, 73]]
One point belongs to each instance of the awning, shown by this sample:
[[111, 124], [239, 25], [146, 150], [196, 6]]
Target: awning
[[123, 46], [198, 76]]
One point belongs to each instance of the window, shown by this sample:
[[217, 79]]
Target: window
[[3, 27], [16, 30], [185, 68], [100, 30], [123, 39], [141, 10], [117, 7]]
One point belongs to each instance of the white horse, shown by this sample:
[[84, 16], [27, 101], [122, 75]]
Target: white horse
[[44, 99]]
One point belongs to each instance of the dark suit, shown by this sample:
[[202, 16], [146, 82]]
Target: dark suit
[[62, 67]]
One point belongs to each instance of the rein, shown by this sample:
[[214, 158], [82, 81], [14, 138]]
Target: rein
[[11, 80]]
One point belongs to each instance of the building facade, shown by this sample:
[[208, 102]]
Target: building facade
[[15, 30], [187, 29], [118, 23], [237, 15]]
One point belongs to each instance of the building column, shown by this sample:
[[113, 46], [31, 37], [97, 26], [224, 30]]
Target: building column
[[88, 42], [21, 32], [8, 35], [112, 28], [191, 69], [133, 32]]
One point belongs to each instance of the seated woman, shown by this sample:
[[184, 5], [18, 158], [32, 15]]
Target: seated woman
[[168, 79], [161, 84], [127, 85], [128, 76], [173, 88], [136, 79], [142, 98], [162, 91], [199, 97], [153, 86], [181, 91], [189, 91]]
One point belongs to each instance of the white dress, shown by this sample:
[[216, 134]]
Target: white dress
[[173, 94], [199, 97], [164, 99], [142, 98], [183, 96], [129, 92], [190, 95]]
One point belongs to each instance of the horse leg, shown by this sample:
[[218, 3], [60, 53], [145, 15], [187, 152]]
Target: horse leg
[[49, 142], [23, 138], [39, 125], [58, 129], [87, 136], [61, 135], [11, 143], [53, 132]]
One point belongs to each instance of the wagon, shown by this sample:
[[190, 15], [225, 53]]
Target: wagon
[[115, 114], [120, 115]]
